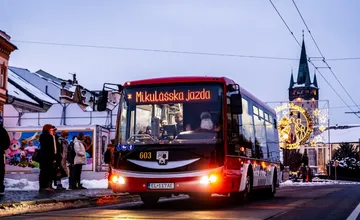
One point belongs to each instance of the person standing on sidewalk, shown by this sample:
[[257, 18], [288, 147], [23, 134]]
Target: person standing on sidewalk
[[61, 169], [70, 161], [47, 158], [109, 159], [79, 161], [4, 145]]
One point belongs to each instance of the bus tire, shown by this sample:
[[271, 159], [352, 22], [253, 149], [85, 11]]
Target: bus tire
[[271, 192], [149, 200], [244, 196]]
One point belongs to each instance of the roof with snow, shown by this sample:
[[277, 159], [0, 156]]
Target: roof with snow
[[346, 133], [17, 93], [50, 78], [24, 90], [50, 88]]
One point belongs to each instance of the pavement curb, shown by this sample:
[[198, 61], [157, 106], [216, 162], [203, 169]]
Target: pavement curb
[[45, 205]]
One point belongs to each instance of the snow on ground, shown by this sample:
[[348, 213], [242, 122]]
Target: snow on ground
[[317, 182], [26, 185]]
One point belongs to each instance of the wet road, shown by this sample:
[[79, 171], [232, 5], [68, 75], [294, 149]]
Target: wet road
[[315, 202]]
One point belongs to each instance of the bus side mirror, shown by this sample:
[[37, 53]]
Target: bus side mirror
[[236, 104], [103, 100]]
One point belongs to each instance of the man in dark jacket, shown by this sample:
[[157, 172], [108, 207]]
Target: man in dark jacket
[[58, 170], [4, 145]]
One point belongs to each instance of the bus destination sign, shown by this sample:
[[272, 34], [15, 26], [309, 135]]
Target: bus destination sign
[[171, 95]]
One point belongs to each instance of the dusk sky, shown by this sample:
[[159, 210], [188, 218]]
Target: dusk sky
[[228, 27]]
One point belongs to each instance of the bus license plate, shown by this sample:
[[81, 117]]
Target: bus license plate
[[161, 185]]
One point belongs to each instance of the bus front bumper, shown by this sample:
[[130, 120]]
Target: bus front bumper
[[208, 181]]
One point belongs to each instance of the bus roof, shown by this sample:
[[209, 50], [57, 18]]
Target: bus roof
[[179, 79], [189, 79]]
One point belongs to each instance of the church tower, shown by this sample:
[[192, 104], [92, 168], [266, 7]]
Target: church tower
[[303, 91], [305, 94]]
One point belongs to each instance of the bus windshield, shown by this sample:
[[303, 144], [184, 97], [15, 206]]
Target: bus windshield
[[179, 113]]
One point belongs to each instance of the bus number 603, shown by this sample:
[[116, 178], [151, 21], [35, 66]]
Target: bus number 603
[[145, 155]]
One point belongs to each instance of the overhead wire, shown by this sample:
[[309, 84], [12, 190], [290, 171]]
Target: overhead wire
[[172, 51], [155, 50], [322, 55], [316, 68]]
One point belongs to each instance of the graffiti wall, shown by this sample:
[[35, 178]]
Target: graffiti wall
[[24, 144]]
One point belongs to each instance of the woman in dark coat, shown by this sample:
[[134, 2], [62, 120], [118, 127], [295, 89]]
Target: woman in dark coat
[[47, 158]]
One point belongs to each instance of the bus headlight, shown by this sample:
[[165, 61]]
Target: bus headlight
[[208, 179], [118, 179]]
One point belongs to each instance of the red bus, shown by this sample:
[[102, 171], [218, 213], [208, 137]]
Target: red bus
[[193, 135]]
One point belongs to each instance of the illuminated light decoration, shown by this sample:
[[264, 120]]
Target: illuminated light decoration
[[285, 136], [288, 125], [322, 128], [129, 96], [323, 116], [320, 118], [313, 143], [316, 112], [144, 96], [318, 138]]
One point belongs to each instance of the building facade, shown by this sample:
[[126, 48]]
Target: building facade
[[6, 48]]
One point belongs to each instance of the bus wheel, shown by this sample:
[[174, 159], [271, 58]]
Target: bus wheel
[[245, 195], [271, 192], [149, 200]]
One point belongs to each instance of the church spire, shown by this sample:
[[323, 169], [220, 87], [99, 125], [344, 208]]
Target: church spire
[[307, 81], [291, 80], [303, 72], [315, 81]]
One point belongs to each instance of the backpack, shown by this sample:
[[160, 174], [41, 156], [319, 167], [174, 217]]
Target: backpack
[[107, 156], [71, 153]]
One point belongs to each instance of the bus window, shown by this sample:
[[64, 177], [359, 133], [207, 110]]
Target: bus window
[[247, 128], [272, 142], [260, 138], [164, 112]]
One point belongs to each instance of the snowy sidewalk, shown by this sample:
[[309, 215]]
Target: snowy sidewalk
[[317, 182], [22, 194], [25, 187]]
